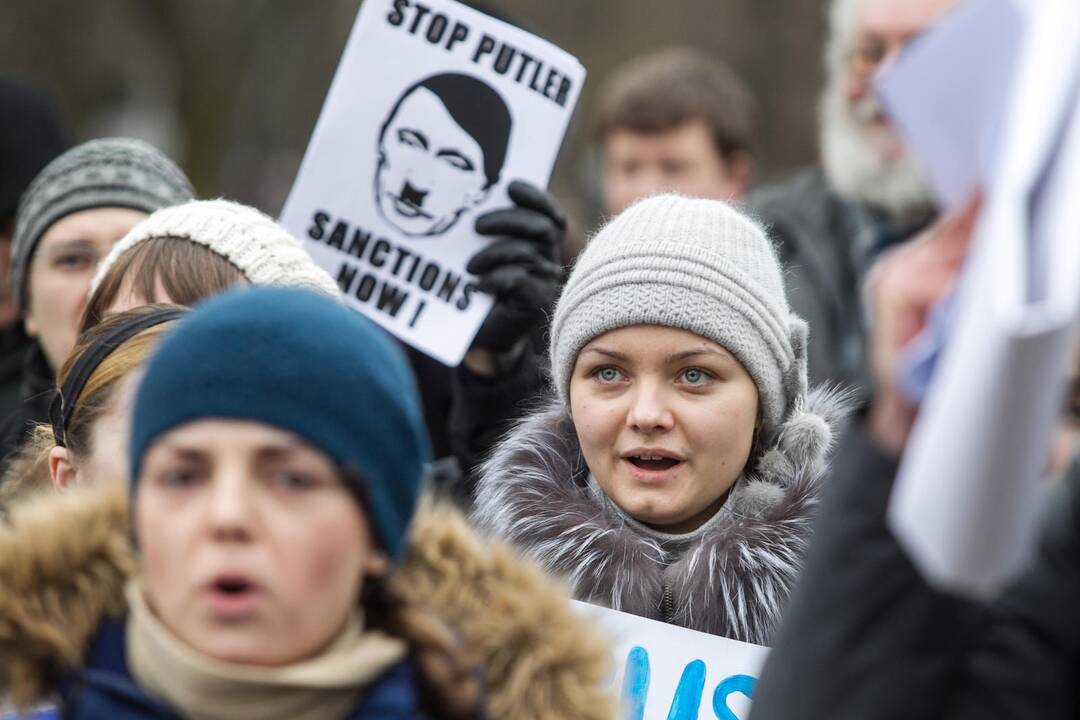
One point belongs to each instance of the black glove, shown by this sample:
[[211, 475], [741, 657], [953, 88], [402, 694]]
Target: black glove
[[521, 268]]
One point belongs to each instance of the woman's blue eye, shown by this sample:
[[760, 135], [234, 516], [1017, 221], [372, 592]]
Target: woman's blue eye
[[695, 376], [608, 374]]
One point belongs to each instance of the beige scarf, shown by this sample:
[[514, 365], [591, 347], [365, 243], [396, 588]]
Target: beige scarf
[[202, 688]]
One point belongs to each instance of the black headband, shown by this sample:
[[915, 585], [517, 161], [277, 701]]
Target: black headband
[[59, 410]]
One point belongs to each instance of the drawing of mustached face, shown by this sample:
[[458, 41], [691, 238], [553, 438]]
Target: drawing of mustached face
[[430, 170], [432, 165]]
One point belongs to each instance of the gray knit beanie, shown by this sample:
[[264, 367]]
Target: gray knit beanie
[[110, 172], [261, 249], [698, 265]]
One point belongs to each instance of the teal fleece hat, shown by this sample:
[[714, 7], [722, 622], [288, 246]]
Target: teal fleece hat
[[308, 365]]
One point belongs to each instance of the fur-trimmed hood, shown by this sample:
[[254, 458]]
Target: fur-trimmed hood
[[733, 581], [65, 558]]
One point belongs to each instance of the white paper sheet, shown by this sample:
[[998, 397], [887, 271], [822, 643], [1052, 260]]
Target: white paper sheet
[[434, 109], [966, 501], [947, 93]]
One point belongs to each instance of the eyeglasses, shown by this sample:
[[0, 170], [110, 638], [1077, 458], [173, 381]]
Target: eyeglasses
[[871, 51]]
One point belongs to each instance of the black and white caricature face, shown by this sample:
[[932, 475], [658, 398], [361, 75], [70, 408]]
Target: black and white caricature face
[[440, 151]]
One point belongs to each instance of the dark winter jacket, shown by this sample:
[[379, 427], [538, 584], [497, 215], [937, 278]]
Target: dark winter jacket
[[13, 347], [865, 637], [826, 246], [65, 558], [35, 393], [733, 581], [104, 688], [466, 414]]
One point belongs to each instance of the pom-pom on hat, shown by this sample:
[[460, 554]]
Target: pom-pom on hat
[[263, 251], [110, 172], [695, 264], [305, 364]]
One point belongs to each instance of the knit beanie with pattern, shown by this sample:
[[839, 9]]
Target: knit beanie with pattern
[[697, 265], [263, 251], [110, 172]]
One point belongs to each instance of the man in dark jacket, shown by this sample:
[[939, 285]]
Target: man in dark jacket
[[865, 636], [830, 222]]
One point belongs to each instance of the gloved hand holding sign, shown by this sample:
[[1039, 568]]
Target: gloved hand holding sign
[[520, 269]]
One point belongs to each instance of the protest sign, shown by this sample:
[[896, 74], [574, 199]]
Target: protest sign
[[966, 501], [434, 109], [666, 672]]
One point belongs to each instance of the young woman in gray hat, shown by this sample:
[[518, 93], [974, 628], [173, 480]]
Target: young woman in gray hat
[[675, 471], [76, 208]]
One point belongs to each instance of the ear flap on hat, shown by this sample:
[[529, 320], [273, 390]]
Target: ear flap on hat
[[795, 379]]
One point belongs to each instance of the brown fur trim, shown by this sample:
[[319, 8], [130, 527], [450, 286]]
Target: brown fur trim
[[541, 659], [64, 558]]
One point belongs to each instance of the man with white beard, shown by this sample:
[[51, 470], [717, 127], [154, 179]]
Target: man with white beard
[[831, 222]]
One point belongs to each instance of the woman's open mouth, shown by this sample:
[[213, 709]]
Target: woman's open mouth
[[652, 465], [233, 597], [652, 462]]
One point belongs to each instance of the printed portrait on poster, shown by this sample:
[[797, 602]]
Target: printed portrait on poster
[[434, 110], [440, 151]]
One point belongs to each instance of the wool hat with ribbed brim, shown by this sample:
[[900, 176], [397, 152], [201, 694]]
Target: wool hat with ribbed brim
[[694, 264], [303, 363], [263, 251], [110, 172]]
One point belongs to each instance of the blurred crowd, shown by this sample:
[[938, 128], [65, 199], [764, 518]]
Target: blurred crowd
[[226, 495]]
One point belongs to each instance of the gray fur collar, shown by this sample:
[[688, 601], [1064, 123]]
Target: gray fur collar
[[734, 581]]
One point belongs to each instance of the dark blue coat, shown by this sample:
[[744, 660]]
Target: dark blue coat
[[105, 689]]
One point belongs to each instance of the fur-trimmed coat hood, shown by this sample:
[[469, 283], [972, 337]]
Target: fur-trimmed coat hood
[[65, 558], [733, 581]]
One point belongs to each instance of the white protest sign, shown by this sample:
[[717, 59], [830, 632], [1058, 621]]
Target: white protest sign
[[434, 109], [668, 672], [966, 501]]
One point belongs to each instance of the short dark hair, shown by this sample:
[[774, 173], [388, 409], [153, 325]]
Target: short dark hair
[[661, 91], [476, 107]]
